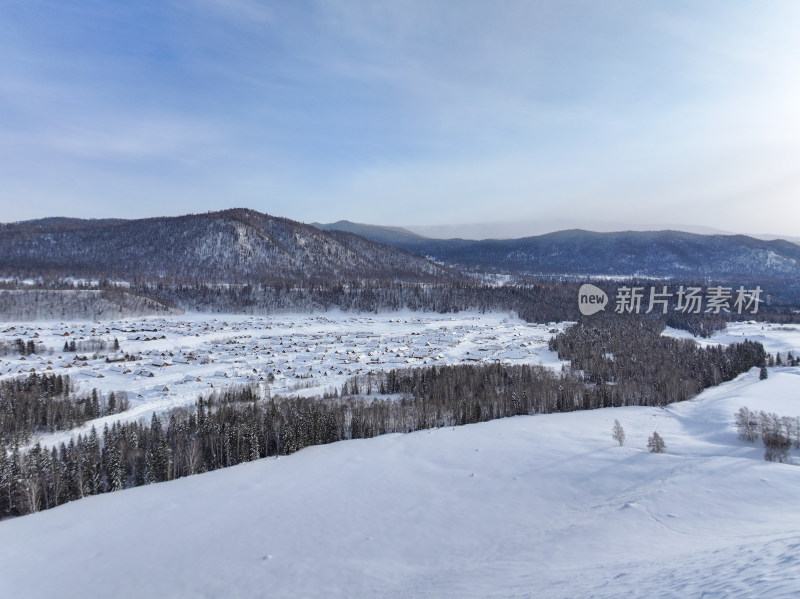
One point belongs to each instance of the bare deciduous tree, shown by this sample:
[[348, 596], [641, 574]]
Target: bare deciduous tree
[[747, 425], [618, 433], [656, 443]]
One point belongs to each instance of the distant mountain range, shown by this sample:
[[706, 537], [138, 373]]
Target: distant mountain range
[[585, 253], [63, 223], [381, 234], [529, 228], [231, 246], [245, 246]]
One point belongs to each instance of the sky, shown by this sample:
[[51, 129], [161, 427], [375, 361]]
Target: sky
[[428, 113]]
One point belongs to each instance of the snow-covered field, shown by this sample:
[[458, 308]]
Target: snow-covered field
[[538, 506], [184, 356], [544, 506], [774, 337]]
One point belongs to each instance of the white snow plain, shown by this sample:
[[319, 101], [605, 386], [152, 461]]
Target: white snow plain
[[535, 506]]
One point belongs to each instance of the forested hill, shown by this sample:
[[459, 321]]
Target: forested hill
[[628, 253], [231, 246]]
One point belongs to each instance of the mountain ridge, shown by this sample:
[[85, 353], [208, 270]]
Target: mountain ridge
[[664, 253], [237, 245], [379, 233]]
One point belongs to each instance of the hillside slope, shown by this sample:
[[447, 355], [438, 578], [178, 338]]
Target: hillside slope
[[540, 506], [232, 246], [628, 253]]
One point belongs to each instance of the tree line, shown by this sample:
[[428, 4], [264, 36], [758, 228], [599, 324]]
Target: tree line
[[778, 433], [21, 347], [46, 403], [538, 301], [532, 299], [629, 361]]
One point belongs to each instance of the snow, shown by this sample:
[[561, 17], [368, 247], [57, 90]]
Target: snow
[[306, 354], [537, 506], [774, 337]]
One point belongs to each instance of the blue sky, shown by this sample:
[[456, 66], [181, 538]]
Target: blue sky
[[404, 113]]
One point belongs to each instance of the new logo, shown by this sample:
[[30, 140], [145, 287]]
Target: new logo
[[591, 299]]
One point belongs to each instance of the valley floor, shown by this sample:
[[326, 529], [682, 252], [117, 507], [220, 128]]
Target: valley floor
[[178, 358]]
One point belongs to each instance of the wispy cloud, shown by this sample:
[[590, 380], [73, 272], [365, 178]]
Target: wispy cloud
[[242, 12], [373, 111], [124, 138]]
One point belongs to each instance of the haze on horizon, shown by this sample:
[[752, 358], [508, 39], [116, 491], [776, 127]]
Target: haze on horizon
[[407, 113]]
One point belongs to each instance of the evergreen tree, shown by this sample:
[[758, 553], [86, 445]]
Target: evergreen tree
[[93, 464], [8, 482]]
